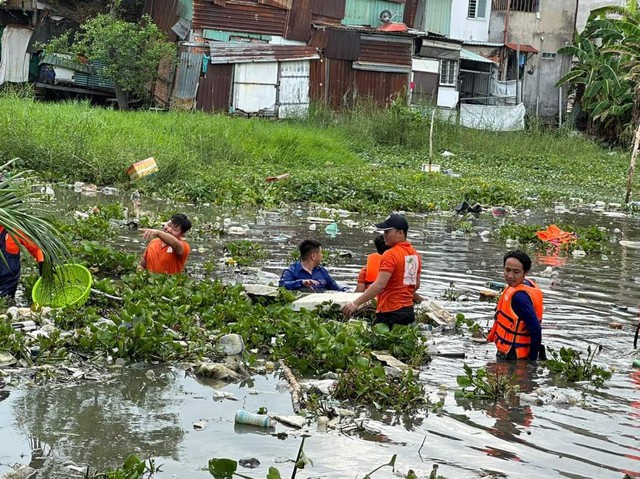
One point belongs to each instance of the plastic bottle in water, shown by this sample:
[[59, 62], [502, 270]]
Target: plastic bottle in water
[[253, 419], [496, 285]]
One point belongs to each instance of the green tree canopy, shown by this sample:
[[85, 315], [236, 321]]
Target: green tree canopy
[[130, 51]]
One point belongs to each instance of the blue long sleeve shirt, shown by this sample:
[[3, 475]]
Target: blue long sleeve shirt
[[523, 307], [293, 276]]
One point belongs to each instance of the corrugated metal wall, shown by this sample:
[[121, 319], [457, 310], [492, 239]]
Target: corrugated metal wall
[[188, 74], [340, 85], [293, 92], [380, 87], [328, 9], [239, 17], [298, 23], [164, 14], [337, 44], [385, 49], [438, 16], [367, 12], [411, 8], [214, 89]]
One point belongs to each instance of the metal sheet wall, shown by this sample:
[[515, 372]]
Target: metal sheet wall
[[214, 89], [317, 80], [188, 74], [410, 17], [438, 16], [293, 91], [328, 8], [298, 22], [164, 14], [367, 12], [380, 87], [339, 91], [337, 44], [382, 49], [239, 17]]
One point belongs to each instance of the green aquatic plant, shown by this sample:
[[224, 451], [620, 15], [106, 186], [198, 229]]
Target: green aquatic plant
[[462, 321], [570, 365], [132, 468], [104, 259], [483, 384], [245, 252], [366, 382]]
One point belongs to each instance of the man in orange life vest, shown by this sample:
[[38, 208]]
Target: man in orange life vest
[[398, 277], [10, 267], [369, 273], [517, 329]]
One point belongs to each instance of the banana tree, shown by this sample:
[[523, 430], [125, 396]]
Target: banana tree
[[19, 220]]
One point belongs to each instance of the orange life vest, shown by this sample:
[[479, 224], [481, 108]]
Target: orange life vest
[[373, 267], [508, 330]]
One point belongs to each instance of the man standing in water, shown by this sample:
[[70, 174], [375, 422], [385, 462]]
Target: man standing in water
[[167, 252], [517, 329], [398, 277]]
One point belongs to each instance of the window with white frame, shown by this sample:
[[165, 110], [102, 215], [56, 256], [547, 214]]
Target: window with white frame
[[549, 55], [448, 72], [477, 8]]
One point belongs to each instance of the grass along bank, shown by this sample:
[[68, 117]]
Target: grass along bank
[[365, 160]]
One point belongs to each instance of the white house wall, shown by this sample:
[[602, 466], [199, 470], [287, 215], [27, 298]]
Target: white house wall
[[464, 28], [447, 97], [585, 7], [547, 31]]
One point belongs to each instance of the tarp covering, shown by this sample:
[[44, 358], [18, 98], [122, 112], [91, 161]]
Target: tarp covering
[[496, 118], [14, 63]]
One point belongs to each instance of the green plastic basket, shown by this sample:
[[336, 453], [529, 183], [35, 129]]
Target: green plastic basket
[[71, 286]]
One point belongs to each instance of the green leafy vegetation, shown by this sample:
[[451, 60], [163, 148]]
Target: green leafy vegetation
[[606, 75], [129, 51], [368, 383], [572, 367], [132, 468], [245, 252], [345, 159], [483, 384]]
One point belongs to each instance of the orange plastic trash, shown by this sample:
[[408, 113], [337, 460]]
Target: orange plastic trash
[[555, 235]]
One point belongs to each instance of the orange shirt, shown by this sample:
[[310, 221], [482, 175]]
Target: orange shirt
[[404, 264], [13, 248], [160, 257]]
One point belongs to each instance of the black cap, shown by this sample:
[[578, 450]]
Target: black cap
[[396, 221]]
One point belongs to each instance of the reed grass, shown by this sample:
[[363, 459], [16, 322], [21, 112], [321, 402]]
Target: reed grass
[[366, 159]]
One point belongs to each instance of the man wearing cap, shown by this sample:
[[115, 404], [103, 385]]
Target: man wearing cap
[[398, 277]]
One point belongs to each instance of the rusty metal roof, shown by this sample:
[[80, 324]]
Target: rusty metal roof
[[522, 47], [239, 16], [232, 52]]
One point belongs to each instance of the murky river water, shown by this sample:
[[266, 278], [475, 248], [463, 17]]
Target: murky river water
[[152, 414]]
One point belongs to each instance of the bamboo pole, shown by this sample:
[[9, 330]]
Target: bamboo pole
[[433, 116], [632, 165], [296, 390]]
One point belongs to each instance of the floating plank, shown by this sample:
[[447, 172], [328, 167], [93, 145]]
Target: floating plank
[[315, 299]]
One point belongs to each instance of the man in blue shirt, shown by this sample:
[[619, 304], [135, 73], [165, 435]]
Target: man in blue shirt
[[307, 274]]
